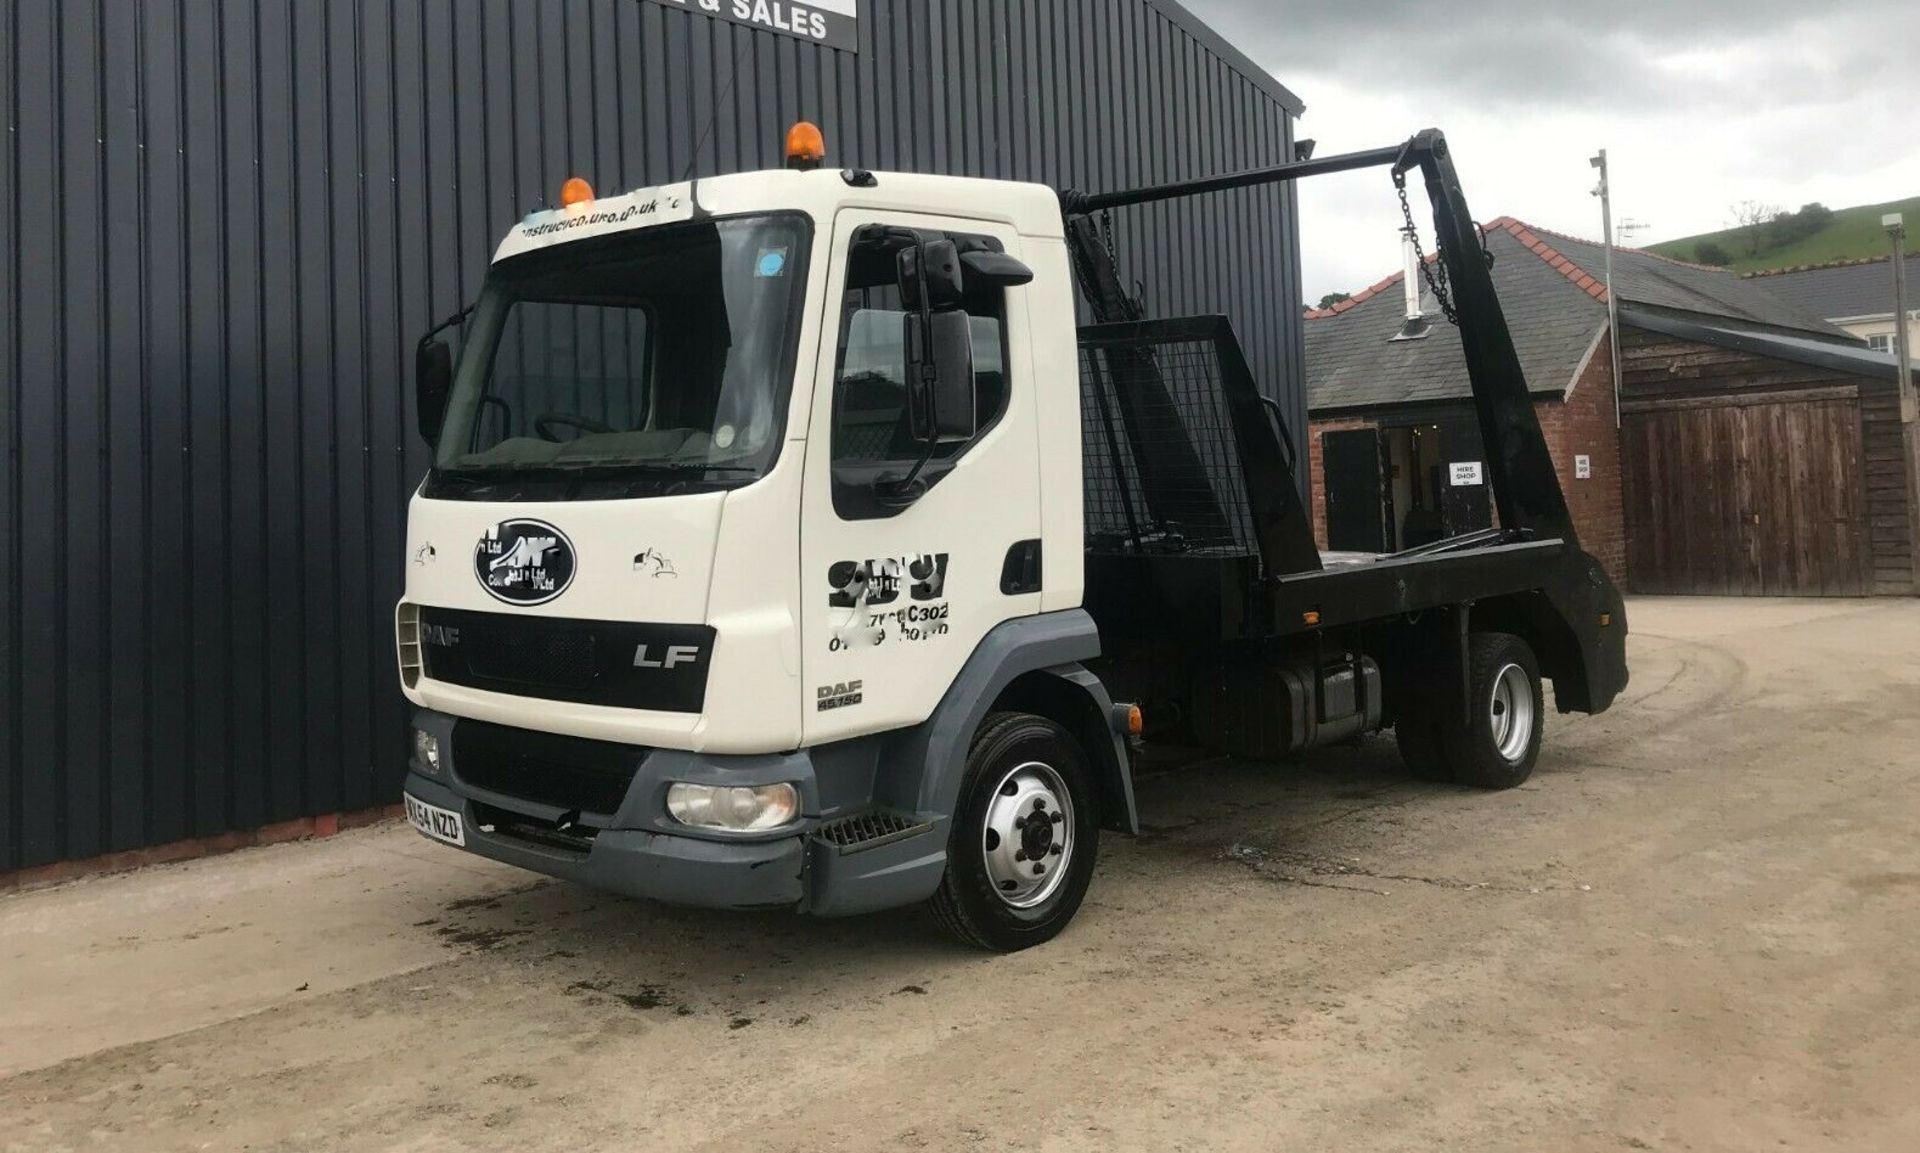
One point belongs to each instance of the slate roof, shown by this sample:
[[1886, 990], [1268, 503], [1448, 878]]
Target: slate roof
[[1842, 290], [1353, 363], [1551, 289]]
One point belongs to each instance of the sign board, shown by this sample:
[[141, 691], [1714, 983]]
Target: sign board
[[828, 23], [1582, 467], [1465, 472]]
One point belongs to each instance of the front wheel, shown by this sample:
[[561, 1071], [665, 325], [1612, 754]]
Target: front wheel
[[1022, 850]]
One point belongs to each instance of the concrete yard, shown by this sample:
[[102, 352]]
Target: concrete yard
[[1696, 928]]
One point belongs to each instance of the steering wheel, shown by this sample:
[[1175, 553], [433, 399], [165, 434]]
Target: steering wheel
[[547, 424]]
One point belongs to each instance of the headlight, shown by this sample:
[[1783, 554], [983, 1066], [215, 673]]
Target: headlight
[[426, 751], [735, 809]]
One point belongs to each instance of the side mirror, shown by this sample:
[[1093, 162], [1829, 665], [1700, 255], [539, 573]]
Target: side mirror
[[939, 260], [432, 381], [994, 270], [940, 391]]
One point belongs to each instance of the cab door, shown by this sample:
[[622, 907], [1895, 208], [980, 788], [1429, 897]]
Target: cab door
[[898, 586]]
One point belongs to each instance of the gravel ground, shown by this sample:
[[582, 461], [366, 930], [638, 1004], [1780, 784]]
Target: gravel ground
[[1693, 929]]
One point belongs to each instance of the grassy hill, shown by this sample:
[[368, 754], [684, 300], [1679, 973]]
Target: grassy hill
[[1853, 233]]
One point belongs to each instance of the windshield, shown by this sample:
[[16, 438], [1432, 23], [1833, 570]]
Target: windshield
[[659, 356]]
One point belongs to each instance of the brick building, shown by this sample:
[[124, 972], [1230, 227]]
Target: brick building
[[1394, 446]]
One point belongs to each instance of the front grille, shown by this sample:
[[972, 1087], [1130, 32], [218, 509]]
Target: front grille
[[570, 773], [868, 830], [529, 654], [406, 623], [622, 664]]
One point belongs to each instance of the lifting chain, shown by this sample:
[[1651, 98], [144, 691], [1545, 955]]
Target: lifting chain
[[1134, 305], [1434, 273]]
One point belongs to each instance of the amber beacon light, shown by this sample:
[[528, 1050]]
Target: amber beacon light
[[806, 146], [575, 191]]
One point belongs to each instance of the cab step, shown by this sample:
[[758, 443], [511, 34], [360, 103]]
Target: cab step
[[858, 832]]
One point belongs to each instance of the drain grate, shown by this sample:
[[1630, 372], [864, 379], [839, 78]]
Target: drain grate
[[861, 831]]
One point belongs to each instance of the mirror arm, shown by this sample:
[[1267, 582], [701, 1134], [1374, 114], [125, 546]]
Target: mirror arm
[[436, 330], [904, 487]]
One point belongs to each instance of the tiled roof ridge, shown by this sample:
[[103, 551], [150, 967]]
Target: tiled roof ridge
[[1851, 262], [1646, 252], [1356, 300], [1529, 236], [1534, 239]]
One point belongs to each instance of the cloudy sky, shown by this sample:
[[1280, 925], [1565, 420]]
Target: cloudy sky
[[1699, 103]]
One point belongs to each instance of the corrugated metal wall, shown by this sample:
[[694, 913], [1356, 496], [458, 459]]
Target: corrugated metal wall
[[225, 223]]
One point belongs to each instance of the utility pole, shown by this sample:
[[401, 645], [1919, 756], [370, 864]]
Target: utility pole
[[1605, 193], [1896, 227]]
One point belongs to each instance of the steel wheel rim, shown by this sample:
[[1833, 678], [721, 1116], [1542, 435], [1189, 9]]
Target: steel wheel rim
[[1027, 842], [1510, 712]]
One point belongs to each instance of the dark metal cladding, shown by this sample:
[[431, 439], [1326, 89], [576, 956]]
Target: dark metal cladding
[[225, 224]]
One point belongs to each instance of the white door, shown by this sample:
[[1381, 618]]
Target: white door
[[894, 599]]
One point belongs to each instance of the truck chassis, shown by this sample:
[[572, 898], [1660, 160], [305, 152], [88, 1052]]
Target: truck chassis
[[1208, 613]]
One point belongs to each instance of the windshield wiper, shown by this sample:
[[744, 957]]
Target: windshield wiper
[[683, 468], [534, 470], [496, 481]]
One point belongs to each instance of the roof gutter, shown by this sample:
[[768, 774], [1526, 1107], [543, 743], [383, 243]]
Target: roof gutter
[[1843, 358]]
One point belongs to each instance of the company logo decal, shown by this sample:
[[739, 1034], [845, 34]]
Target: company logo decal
[[877, 582], [870, 591], [670, 656], [524, 562], [838, 696], [654, 564]]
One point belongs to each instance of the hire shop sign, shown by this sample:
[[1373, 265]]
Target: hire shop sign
[[829, 23]]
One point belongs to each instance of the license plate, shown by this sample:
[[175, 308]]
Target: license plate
[[436, 822]]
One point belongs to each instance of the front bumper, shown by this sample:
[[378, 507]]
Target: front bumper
[[635, 850], [657, 866]]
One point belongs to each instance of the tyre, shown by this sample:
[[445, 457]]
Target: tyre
[[1496, 744], [1024, 839]]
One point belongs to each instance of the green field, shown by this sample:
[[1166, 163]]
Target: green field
[[1853, 233]]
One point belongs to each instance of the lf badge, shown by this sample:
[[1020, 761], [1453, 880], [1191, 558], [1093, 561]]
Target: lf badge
[[524, 562]]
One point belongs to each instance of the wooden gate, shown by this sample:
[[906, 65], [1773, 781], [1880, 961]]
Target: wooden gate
[[1746, 496]]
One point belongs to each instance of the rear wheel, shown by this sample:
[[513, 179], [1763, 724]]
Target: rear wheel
[[1497, 743], [1022, 850]]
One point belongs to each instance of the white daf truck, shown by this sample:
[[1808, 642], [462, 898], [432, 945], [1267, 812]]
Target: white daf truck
[[787, 544]]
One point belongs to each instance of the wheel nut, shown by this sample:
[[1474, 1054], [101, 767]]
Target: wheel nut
[[1057, 818], [1057, 850], [1039, 869], [1019, 822], [1019, 854], [1039, 803]]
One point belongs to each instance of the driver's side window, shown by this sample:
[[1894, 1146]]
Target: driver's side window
[[589, 363], [871, 424]]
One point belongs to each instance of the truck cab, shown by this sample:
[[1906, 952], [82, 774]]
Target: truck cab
[[785, 545], [691, 585]]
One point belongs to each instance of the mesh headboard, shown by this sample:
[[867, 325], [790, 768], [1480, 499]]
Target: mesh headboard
[[1163, 474]]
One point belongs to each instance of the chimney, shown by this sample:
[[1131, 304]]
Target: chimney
[[1416, 326]]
